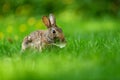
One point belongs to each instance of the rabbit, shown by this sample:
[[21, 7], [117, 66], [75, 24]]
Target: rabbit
[[41, 38]]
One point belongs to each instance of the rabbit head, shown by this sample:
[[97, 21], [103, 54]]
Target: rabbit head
[[54, 32]]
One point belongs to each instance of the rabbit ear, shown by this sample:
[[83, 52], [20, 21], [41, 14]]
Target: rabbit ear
[[46, 21], [52, 19]]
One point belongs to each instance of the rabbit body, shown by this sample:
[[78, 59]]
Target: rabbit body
[[38, 39]]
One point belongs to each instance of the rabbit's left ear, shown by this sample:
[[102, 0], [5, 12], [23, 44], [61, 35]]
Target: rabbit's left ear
[[52, 19], [46, 21]]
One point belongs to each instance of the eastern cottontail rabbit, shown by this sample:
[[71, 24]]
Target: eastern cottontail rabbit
[[38, 39]]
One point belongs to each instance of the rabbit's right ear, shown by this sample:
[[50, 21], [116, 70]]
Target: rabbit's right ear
[[46, 21], [52, 19]]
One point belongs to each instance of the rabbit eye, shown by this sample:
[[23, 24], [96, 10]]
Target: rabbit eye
[[54, 31]]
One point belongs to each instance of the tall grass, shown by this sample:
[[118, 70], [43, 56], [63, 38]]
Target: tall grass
[[89, 54]]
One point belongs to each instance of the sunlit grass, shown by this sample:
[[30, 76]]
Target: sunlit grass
[[92, 51]]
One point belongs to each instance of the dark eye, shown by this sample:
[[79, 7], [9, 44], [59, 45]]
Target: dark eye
[[54, 31]]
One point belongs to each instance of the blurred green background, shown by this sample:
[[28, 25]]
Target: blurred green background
[[87, 8], [92, 31], [19, 15]]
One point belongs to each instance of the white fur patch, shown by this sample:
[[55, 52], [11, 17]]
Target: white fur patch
[[61, 45]]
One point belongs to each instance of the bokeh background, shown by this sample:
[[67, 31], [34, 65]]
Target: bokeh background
[[17, 16], [96, 8], [92, 31]]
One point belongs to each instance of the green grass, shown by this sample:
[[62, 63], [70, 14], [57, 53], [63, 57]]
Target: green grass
[[92, 53]]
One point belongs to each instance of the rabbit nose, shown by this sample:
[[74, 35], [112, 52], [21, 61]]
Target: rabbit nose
[[63, 40], [61, 37]]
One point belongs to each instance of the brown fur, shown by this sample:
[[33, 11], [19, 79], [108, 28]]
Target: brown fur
[[38, 39]]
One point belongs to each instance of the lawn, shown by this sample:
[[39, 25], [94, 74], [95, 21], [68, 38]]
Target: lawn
[[92, 51]]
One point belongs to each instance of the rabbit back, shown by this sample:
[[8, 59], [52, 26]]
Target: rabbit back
[[33, 40]]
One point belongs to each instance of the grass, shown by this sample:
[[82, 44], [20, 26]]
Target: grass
[[91, 53]]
